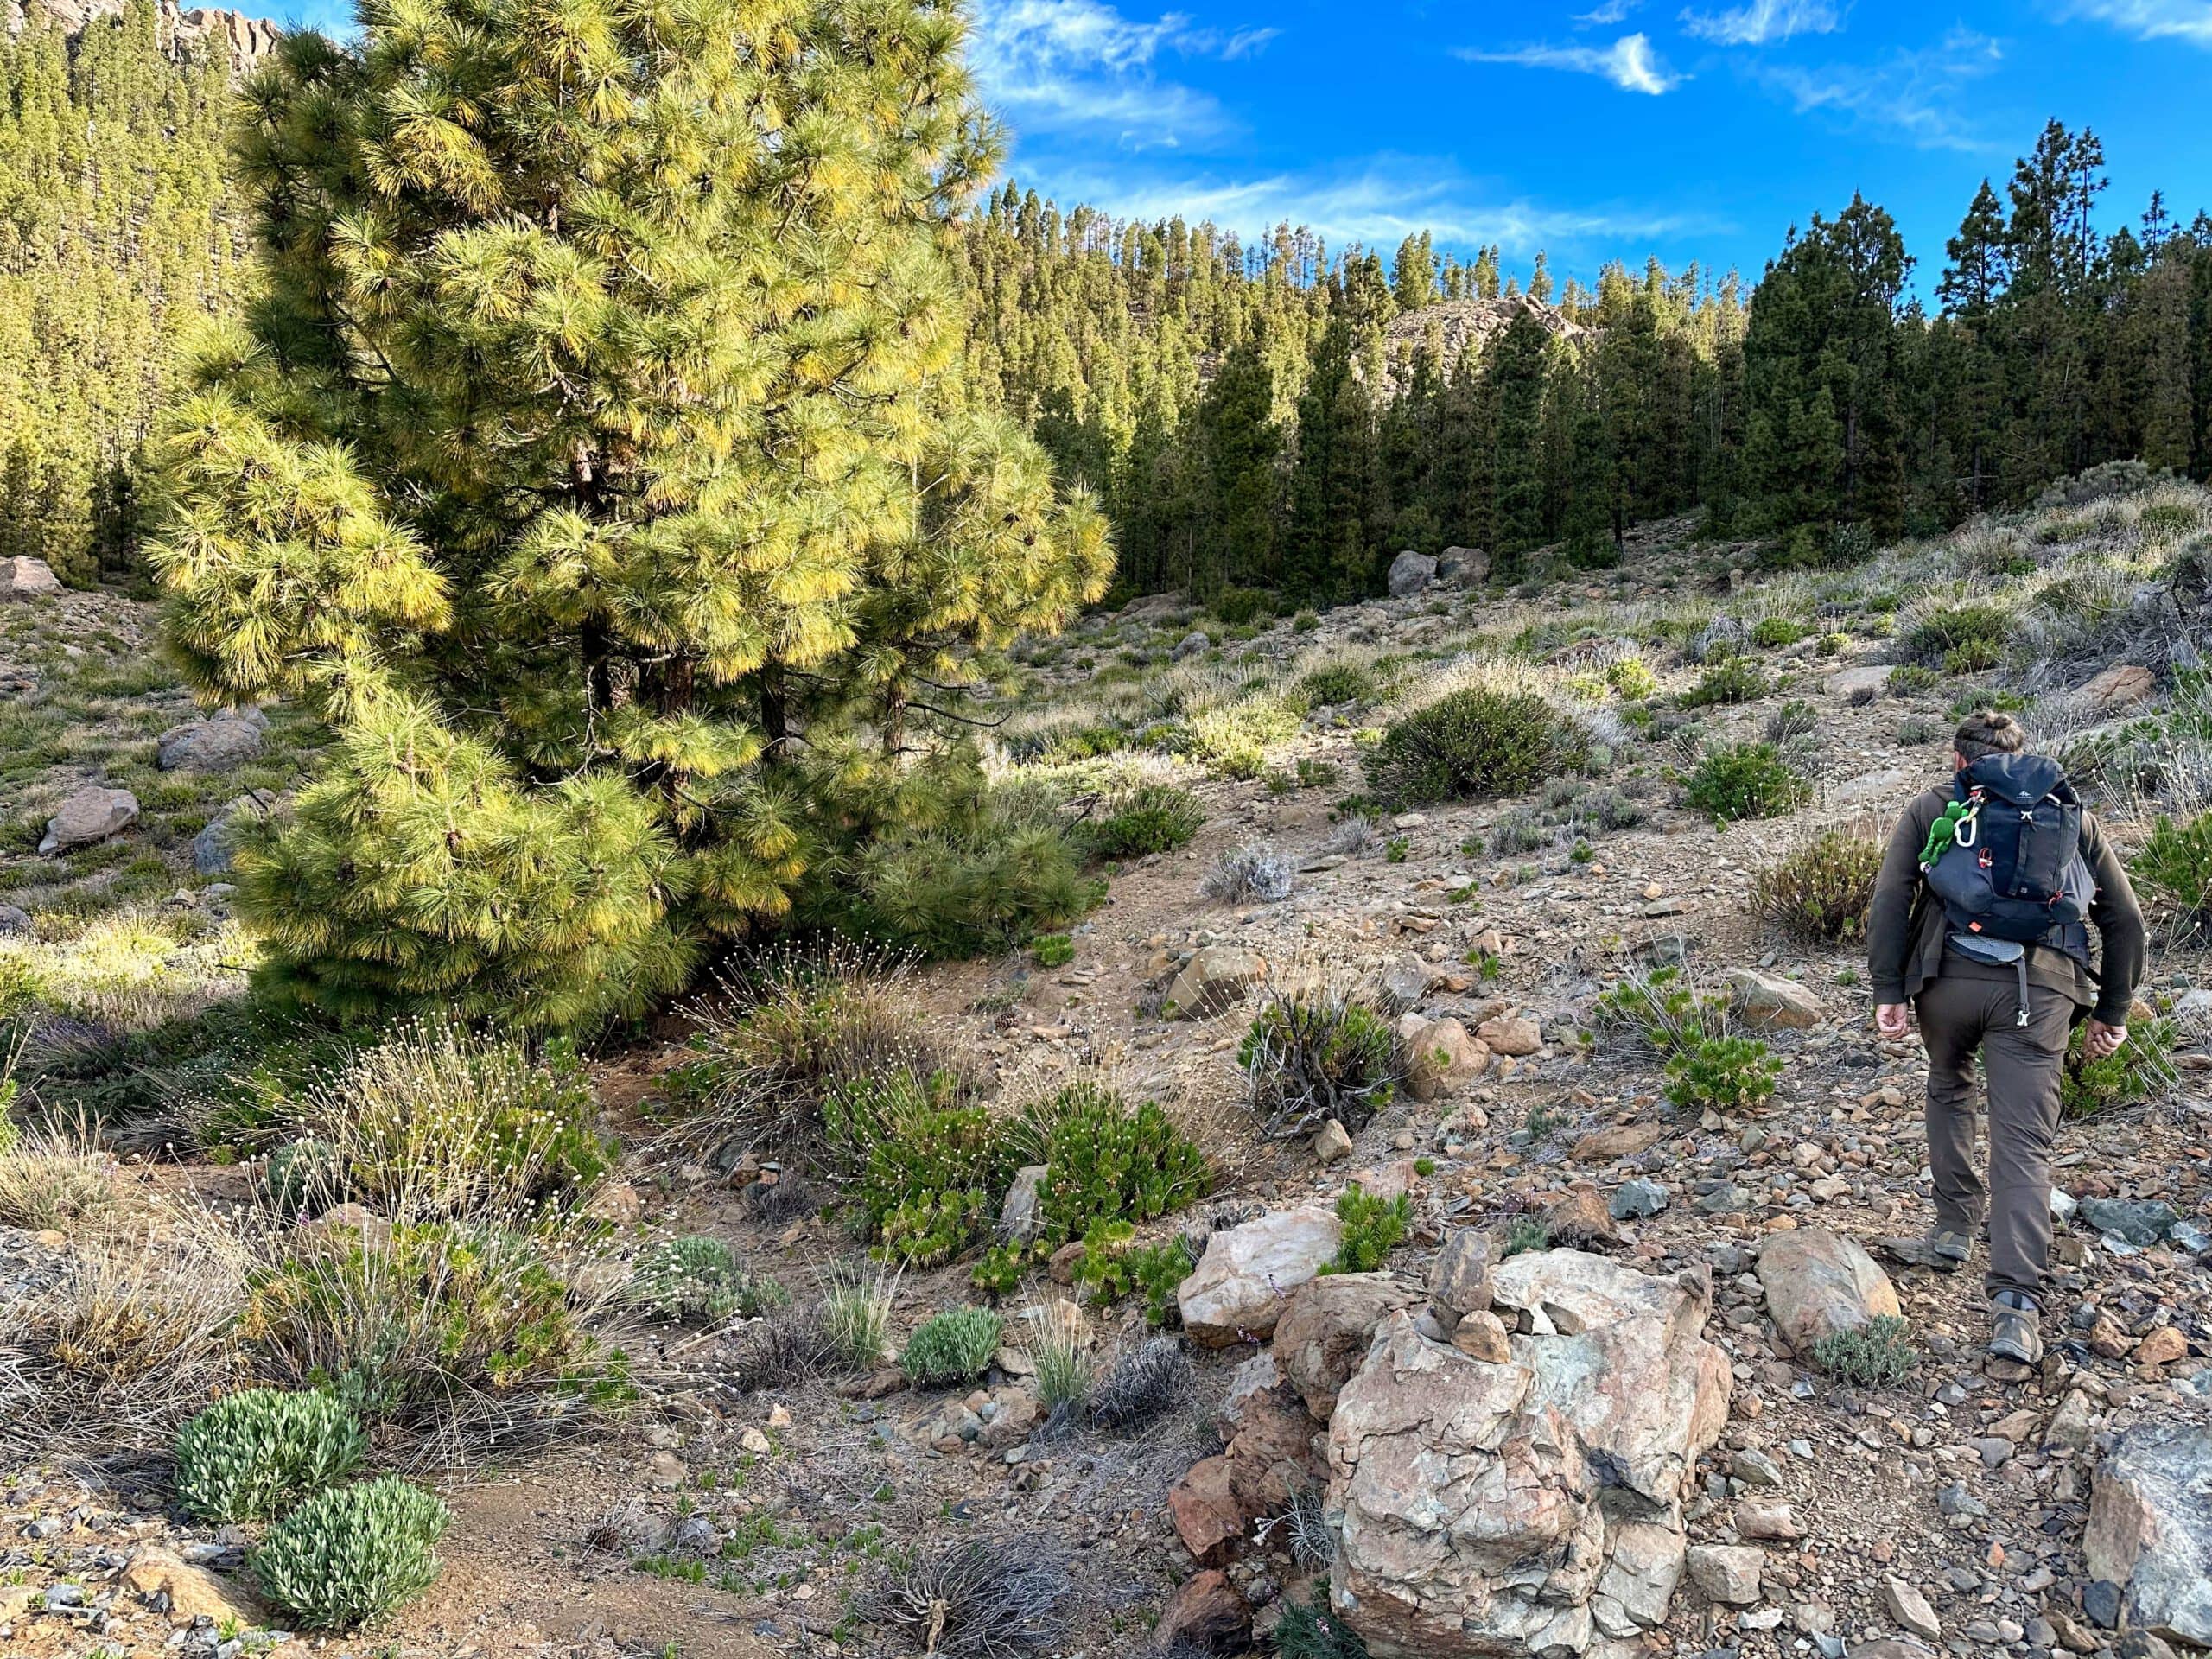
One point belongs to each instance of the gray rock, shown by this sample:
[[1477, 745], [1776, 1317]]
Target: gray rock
[[92, 813], [15, 922], [1022, 1216], [1216, 978], [1728, 1573], [2139, 1221], [27, 578], [1191, 644], [1244, 1281], [1754, 1467], [1636, 1199], [1770, 1003], [225, 740], [1458, 1279], [2149, 1530], [1467, 567], [1909, 1608], [1818, 1283], [1722, 637], [1410, 572]]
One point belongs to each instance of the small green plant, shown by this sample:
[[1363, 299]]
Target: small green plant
[[305, 1173], [1053, 949], [1524, 1234], [1317, 1054], [1743, 780], [1975, 631], [856, 1323], [2176, 865], [251, 1455], [1000, 1269], [2142, 1070], [1065, 1370], [1309, 1632], [1147, 818], [1775, 631], [693, 1276], [1732, 679], [1821, 889], [1397, 849], [1338, 683], [1796, 718], [1661, 1007], [1105, 1159], [1472, 743], [1631, 677], [1318, 774], [1543, 1120], [954, 1346], [350, 1555], [1373, 1226], [1910, 679], [1424, 1166], [1875, 1355], [1725, 1073]]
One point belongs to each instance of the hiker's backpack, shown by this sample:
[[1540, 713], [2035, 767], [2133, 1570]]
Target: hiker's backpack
[[2011, 866]]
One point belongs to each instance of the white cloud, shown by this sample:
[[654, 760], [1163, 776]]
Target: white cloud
[[1917, 96], [1377, 204], [2150, 20], [1761, 20], [1606, 15], [1629, 62], [1082, 66]]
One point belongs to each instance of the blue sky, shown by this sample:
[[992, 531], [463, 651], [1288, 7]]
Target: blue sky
[[1592, 129]]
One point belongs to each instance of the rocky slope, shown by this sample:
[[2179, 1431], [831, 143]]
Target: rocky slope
[[246, 41]]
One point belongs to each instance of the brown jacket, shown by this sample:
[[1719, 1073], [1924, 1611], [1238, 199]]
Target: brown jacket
[[1905, 926]]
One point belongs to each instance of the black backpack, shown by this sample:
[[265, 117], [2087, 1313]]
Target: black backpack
[[2013, 868]]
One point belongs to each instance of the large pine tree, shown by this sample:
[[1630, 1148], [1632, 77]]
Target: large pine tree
[[598, 458]]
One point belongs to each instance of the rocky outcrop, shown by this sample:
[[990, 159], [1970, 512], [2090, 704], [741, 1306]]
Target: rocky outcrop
[[1818, 1283], [246, 41], [1410, 572], [1457, 327], [2151, 1530], [219, 743], [1325, 1332], [1531, 1505], [1243, 1283]]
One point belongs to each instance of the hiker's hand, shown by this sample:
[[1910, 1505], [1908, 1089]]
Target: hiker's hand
[[2103, 1041], [1893, 1020]]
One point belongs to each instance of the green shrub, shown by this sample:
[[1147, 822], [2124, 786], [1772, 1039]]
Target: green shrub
[[1733, 679], [693, 1276], [1470, 744], [1726, 1073], [1233, 740], [1315, 1632], [251, 1455], [437, 1121], [1820, 890], [854, 1326], [1338, 683], [1147, 818], [1397, 849], [352, 1554], [988, 879], [1113, 1265], [2142, 1070], [1743, 780], [1065, 1370], [1524, 1234], [1796, 718], [930, 1165], [1317, 1054], [1977, 629], [1874, 1355], [1774, 632], [408, 1324], [2176, 865], [1053, 949], [953, 1347], [1910, 679], [1373, 1227], [1105, 1160], [306, 1173], [1631, 677]]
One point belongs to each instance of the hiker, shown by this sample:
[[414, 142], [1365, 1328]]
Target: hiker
[[1980, 924]]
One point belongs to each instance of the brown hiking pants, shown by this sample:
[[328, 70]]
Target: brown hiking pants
[[1960, 1015]]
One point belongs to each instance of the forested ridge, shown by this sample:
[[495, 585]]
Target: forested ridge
[[115, 235], [1227, 398], [1271, 415]]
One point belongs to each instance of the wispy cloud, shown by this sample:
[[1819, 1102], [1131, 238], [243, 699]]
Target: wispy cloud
[[2150, 20], [1081, 67], [1606, 15], [1761, 20], [1629, 63], [1380, 201], [1917, 95]]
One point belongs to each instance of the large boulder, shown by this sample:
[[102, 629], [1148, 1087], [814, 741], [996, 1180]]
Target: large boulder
[[1530, 1505], [1441, 1057], [1469, 567], [2151, 1529], [1410, 572], [221, 743], [2122, 686], [27, 578], [1216, 979], [1818, 1283], [1770, 1003], [1243, 1283], [92, 813], [1325, 1329]]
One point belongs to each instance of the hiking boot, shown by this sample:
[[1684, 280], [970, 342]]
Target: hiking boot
[[1945, 1252], [2015, 1328]]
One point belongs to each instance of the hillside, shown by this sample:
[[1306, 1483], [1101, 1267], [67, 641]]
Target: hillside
[[1643, 1352]]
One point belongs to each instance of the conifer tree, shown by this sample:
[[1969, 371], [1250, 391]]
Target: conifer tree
[[598, 461]]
